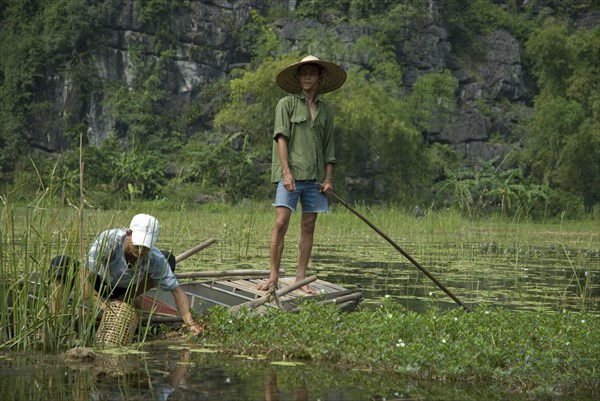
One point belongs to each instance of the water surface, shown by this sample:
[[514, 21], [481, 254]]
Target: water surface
[[512, 274], [187, 372]]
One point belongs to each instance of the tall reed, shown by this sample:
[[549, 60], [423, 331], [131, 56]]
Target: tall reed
[[31, 236], [38, 311]]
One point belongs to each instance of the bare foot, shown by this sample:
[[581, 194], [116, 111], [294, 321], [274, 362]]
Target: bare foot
[[307, 289], [267, 284]]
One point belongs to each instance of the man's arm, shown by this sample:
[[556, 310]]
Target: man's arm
[[87, 291], [183, 305], [327, 184], [289, 182]]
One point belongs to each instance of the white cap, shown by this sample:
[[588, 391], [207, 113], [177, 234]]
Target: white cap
[[144, 230]]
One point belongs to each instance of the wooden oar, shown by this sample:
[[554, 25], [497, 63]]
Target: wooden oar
[[388, 239], [194, 250], [213, 273], [223, 273], [263, 300], [354, 296]]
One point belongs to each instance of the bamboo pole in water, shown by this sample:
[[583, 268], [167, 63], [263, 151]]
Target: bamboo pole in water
[[81, 198], [213, 273], [388, 239], [339, 300]]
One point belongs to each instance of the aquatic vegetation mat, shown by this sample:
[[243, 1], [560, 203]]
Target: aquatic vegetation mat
[[522, 350]]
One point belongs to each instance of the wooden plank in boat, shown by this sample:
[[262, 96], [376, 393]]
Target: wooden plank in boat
[[241, 290], [246, 287]]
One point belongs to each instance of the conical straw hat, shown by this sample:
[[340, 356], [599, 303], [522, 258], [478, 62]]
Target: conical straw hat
[[333, 75]]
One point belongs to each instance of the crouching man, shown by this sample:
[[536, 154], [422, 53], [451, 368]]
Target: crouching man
[[124, 263]]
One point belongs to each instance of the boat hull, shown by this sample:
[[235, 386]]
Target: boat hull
[[204, 295]]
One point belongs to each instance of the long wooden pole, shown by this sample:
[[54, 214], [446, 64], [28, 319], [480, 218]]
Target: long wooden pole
[[81, 199], [406, 255], [224, 273], [194, 250]]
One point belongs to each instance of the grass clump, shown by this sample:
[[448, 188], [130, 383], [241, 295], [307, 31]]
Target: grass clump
[[550, 352]]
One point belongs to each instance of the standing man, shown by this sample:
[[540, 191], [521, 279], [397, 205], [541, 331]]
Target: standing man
[[303, 156], [124, 263]]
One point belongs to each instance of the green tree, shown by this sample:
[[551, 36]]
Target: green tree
[[223, 165], [21, 60], [556, 119], [580, 173], [250, 108], [42, 39], [584, 82], [563, 147], [551, 57], [432, 100], [324, 11], [142, 112], [374, 136]]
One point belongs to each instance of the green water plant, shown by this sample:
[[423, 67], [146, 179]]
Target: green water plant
[[551, 352]]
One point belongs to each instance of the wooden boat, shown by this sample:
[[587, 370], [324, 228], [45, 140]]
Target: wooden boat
[[233, 289], [237, 292], [237, 288]]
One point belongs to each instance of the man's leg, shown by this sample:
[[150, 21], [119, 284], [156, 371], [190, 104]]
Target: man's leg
[[282, 222], [307, 231], [61, 276], [140, 290]]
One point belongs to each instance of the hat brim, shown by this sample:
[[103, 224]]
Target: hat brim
[[142, 239], [333, 76]]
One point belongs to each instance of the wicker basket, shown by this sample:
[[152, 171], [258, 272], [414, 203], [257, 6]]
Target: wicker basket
[[118, 325]]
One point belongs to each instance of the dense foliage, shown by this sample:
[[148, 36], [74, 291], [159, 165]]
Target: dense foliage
[[521, 351], [382, 127], [563, 149]]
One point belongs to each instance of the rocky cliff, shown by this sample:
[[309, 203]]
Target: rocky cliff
[[494, 91]]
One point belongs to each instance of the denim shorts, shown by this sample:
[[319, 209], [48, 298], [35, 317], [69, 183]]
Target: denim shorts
[[309, 193]]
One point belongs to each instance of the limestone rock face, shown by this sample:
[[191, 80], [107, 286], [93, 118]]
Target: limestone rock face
[[208, 47], [501, 68], [426, 50]]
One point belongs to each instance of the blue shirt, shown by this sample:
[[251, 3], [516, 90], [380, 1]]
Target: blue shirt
[[106, 258]]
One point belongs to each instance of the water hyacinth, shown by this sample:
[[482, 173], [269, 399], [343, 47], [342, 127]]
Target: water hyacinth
[[509, 349]]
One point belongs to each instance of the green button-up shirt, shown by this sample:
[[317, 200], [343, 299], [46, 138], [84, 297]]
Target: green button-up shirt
[[310, 146]]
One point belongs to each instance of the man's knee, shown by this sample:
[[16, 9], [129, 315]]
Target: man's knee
[[170, 259], [60, 267], [308, 223], [281, 226]]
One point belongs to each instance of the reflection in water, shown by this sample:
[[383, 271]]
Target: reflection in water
[[159, 376], [186, 375], [272, 392]]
